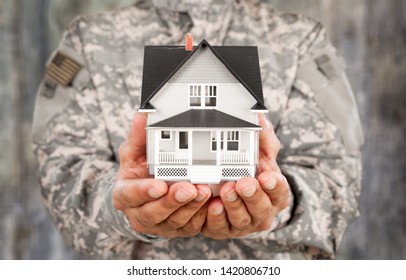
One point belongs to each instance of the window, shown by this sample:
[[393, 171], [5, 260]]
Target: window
[[165, 135], [231, 143], [203, 96], [195, 95], [214, 141], [232, 140], [210, 95], [183, 140]]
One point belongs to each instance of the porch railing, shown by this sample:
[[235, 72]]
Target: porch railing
[[178, 157], [234, 158]]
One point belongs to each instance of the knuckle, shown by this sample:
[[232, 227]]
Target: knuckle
[[191, 230], [265, 225], [137, 226], [169, 203], [147, 217], [243, 224], [174, 224]]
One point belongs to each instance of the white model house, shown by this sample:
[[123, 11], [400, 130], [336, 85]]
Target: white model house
[[203, 106]]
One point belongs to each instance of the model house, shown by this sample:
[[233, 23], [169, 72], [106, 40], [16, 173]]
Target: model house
[[203, 107]]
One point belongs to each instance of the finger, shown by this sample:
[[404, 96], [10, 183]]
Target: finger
[[256, 200], [155, 212], [269, 144], [277, 188], [136, 192], [134, 148], [237, 213], [195, 224], [181, 217], [217, 225]]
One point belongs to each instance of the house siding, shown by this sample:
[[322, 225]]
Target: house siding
[[232, 99], [203, 67]]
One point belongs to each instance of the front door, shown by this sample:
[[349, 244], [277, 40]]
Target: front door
[[183, 140]]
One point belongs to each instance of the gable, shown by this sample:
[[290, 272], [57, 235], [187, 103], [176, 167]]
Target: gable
[[161, 63], [203, 67]]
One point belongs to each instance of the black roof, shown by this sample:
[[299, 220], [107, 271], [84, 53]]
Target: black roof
[[195, 118], [162, 62]]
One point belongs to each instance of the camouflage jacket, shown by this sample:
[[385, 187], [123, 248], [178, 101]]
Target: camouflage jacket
[[78, 128]]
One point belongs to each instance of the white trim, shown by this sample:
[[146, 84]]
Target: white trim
[[259, 111], [190, 147], [218, 147], [217, 139], [252, 148], [157, 139], [146, 110], [226, 141], [166, 139], [178, 140], [250, 169], [205, 129], [202, 95]]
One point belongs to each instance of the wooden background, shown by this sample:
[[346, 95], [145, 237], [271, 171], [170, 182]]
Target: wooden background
[[370, 34]]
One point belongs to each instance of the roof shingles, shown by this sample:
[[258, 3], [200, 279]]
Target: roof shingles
[[162, 62], [195, 118]]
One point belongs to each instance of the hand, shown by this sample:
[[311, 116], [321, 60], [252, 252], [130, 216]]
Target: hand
[[150, 205], [250, 205]]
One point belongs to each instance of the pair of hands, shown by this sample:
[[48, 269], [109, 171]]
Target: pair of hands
[[183, 209]]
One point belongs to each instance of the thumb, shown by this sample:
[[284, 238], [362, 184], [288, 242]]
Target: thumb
[[134, 148], [269, 144], [137, 134]]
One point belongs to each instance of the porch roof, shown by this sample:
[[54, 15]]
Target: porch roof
[[204, 119]]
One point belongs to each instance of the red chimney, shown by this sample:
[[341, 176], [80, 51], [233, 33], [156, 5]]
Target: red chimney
[[189, 42]]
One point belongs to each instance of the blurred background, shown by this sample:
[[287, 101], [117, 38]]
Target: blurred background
[[369, 34]]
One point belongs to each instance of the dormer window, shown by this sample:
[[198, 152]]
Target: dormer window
[[202, 96]]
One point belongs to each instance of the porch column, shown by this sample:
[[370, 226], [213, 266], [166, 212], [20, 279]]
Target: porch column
[[156, 146], [190, 147], [252, 148], [218, 145]]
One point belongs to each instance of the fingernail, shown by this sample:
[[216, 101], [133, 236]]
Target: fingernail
[[183, 195], [270, 184], [155, 193], [231, 196], [248, 191], [218, 210], [200, 197]]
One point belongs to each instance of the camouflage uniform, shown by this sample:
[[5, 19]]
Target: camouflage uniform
[[79, 128]]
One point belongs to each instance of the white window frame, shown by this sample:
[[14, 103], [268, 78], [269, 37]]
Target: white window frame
[[213, 138], [178, 140], [224, 141], [170, 135], [202, 91]]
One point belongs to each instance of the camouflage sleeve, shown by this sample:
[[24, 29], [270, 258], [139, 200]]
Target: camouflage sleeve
[[321, 136], [77, 167]]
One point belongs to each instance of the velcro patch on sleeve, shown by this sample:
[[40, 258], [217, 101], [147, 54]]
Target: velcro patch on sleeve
[[62, 69]]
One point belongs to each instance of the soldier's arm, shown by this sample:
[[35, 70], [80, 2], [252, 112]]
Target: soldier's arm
[[77, 167], [321, 136]]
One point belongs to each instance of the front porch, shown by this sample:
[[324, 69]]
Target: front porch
[[204, 147]]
